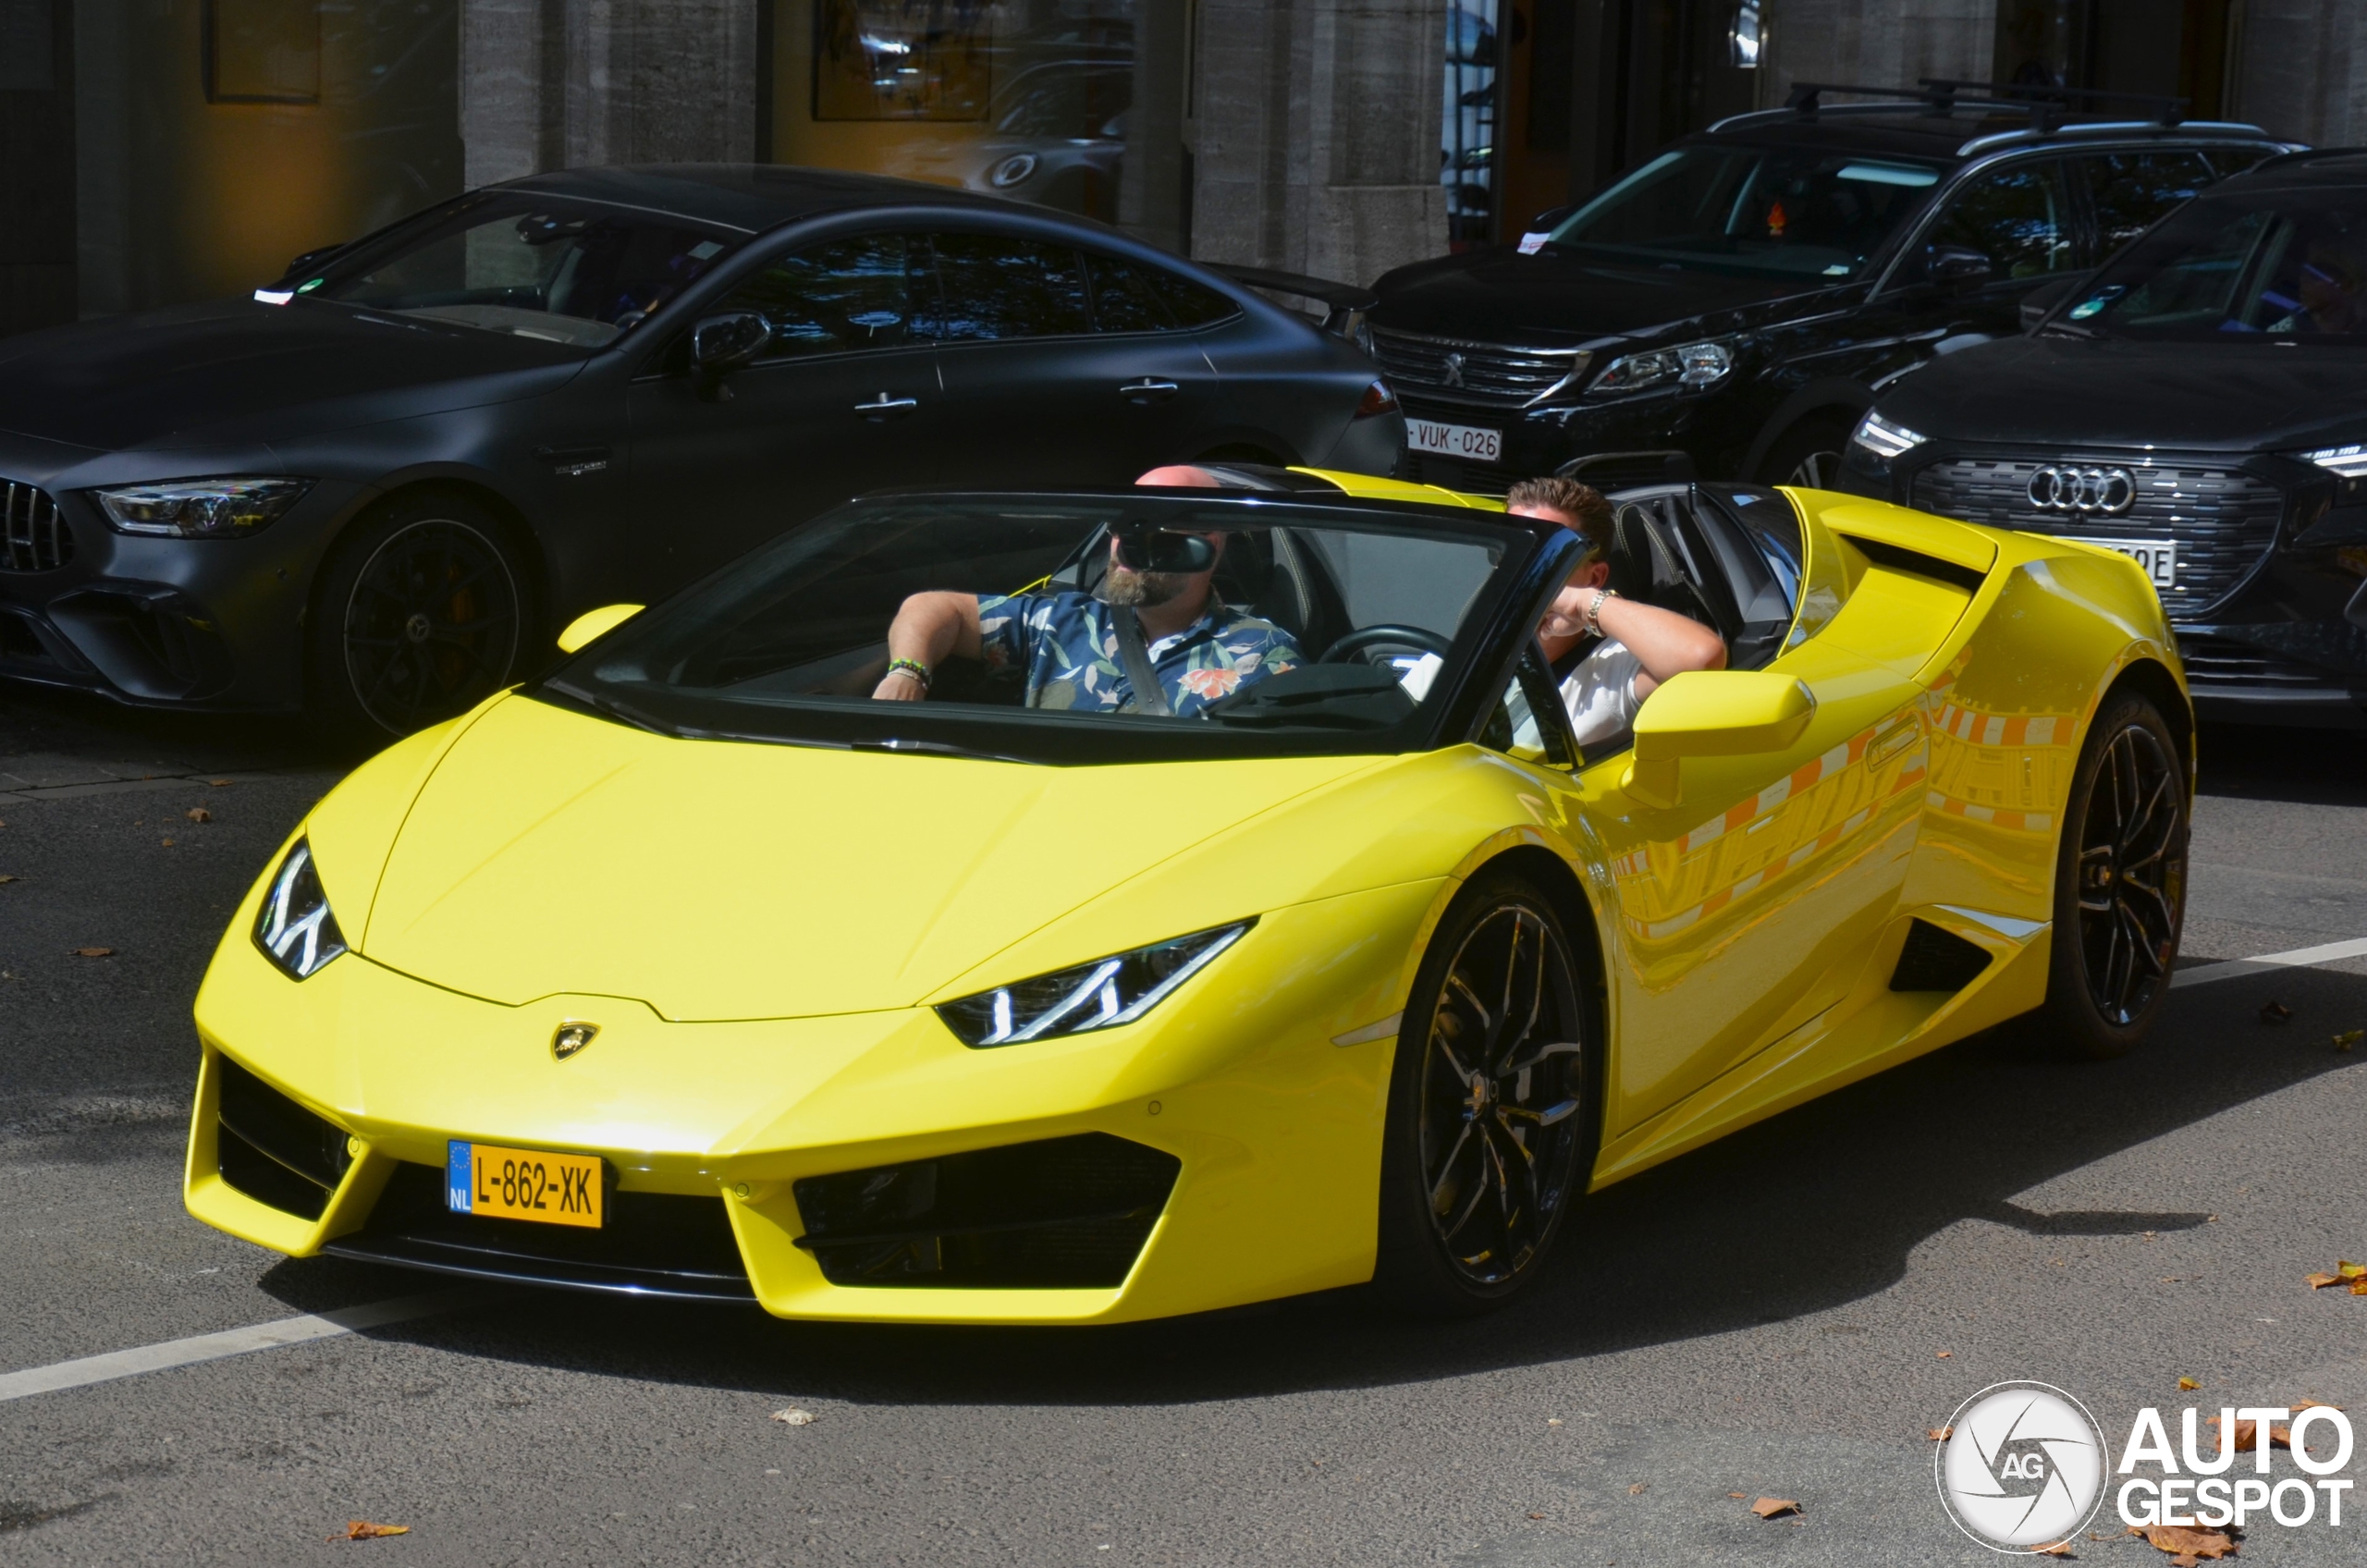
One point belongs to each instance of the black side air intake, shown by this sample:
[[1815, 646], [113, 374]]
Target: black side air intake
[[1899, 558], [1935, 960], [273, 1149], [1064, 1213]]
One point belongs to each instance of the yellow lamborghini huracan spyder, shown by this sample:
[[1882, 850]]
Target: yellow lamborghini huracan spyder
[[696, 970]]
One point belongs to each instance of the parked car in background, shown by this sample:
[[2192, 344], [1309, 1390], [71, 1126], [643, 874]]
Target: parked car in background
[[2199, 404], [1744, 295], [374, 488]]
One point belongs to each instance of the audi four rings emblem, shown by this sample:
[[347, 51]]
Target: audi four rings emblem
[[2063, 488]]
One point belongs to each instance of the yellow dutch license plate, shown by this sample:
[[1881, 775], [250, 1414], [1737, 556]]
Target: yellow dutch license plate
[[551, 1188]]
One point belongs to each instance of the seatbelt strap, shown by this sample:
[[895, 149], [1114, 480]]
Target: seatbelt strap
[[1151, 697]]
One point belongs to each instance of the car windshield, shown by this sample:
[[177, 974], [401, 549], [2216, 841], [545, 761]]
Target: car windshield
[[1273, 628], [1739, 208], [2283, 265], [566, 272]]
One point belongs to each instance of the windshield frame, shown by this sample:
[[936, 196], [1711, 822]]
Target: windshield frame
[[1539, 555], [1945, 172]]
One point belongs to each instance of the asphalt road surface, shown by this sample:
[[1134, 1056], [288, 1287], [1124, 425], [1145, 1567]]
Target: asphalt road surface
[[1784, 1313]]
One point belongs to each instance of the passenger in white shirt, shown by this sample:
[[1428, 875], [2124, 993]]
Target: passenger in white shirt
[[1608, 653]]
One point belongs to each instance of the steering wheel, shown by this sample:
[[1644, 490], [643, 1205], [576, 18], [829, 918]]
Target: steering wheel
[[1387, 635]]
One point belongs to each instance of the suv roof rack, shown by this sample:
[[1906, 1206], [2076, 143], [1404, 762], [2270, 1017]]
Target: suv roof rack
[[2046, 105]]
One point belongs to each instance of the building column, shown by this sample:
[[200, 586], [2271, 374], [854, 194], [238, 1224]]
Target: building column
[[551, 84], [1315, 135], [2303, 72], [1884, 44]]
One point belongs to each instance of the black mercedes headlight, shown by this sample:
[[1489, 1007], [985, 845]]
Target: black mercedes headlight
[[1092, 996], [201, 509], [294, 929]]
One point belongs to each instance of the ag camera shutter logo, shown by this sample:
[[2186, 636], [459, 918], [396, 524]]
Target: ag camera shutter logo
[[2024, 1468]]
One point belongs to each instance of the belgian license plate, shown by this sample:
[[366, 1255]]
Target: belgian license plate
[[552, 1189], [2158, 557], [1466, 441]]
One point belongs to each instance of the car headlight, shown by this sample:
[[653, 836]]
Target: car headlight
[[1693, 365], [2349, 461], [294, 929], [201, 509], [1883, 439], [1100, 995]]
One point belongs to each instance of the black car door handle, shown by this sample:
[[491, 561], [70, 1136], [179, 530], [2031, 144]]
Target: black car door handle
[[1147, 391], [886, 406]]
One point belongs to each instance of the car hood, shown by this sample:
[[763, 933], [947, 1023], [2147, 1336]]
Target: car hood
[[239, 371], [2056, 392], [550, 853], [1562, 298]]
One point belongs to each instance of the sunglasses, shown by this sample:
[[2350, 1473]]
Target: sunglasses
[[1142, 547]]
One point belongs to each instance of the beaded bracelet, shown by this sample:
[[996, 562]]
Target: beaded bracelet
[[912, 667]]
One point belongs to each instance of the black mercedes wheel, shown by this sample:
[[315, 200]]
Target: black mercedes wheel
[[423, 612], [1493, 1117], [2120, 882]]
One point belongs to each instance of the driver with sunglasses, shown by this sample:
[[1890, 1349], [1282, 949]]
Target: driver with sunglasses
[[1157, 613]]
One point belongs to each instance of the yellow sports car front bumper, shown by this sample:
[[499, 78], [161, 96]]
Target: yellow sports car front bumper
[[1234, 1084]]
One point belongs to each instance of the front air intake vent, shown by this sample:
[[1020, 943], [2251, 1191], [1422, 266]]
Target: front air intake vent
[[273, 1149], [1069, 1213], [33, 535], [1935, 960], [1897, 558]]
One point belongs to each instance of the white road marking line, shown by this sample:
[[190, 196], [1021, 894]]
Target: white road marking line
[[229, 1342], [2297, 959]]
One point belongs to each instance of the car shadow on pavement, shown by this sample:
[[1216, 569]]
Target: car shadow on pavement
[[1799, 1216], [2325, 767]]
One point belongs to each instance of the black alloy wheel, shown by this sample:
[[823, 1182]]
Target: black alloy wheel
[[423, 613], [2120, 893], [1493, 1116], [1808, 456]]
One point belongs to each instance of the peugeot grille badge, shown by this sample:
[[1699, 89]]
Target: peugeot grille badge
[[1454, 373], [2106, 492], [572, 1037]]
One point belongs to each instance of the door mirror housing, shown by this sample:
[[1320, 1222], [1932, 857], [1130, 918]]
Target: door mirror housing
[[593, 625], [1712, 713], [2038, 303], [722, 344], [1956, 268]]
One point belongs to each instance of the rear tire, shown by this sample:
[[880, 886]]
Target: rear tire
[[1494, 1116], [423, 612], [2119, 884]]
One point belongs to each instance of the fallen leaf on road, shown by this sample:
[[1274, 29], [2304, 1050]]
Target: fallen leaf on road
[[2274, 1012], [2053, 1548], [1939, 1434], [2189, 1383], [1945, 1354], [2248, 1436], [199, 814], [219, 783], [1637, 1490], [1537, 1516], [2313, 1404], [168, 843], [93, 953], [2349, 1038], [6, 879], [362, 1530], [793, 1416], [1737, 1495], [1552, 1420], [1774, 1507], [2188, 1545]]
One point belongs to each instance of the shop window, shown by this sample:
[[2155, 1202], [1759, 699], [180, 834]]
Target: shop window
[[263, 51]]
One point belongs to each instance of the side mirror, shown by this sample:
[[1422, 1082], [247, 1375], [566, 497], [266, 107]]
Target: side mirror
[[2041, 301], [595, 624], [722, 344], [1532, 238], [1956, 268], [1712, 713]]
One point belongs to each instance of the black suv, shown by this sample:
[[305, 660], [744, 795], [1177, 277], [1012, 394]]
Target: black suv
[[2199, 403], [1745, 294]]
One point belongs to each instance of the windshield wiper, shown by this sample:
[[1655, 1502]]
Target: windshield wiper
[[2067, 330]]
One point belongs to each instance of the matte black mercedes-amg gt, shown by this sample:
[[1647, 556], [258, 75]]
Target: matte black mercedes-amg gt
[[377, 486]]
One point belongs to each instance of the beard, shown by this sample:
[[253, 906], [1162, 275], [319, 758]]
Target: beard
[[1142, 589]]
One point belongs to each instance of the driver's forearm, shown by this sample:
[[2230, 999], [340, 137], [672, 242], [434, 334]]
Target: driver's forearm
[[932, 628], [1665, 643]]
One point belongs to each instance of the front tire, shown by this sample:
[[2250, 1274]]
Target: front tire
[[423, 612], [1807, 456], [2119, 883], [1494, 1116]]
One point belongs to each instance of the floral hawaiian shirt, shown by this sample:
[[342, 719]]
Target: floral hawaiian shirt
[[1068, 645]]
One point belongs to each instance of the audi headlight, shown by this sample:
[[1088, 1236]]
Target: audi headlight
[[201, 509], [295, 929], [1884, 439], [2349, 461], [1100, 995], [1695, 365]]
